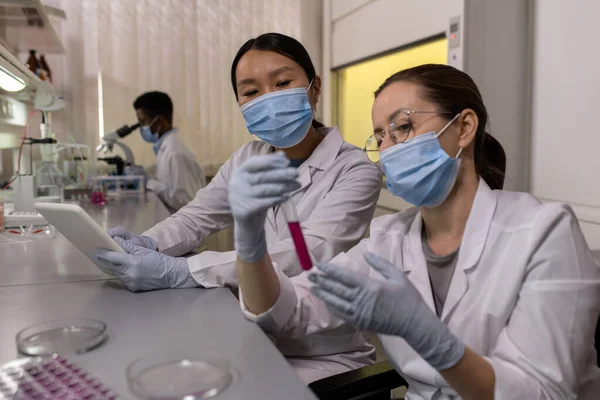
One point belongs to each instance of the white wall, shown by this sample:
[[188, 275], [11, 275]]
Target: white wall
[[362, 28], [311, 34], [182, 47], [497, 48], [566, 102]]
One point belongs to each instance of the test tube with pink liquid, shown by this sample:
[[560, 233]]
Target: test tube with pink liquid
[[289, 212]]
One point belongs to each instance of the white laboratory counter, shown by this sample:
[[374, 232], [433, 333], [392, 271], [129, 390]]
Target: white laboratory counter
[[48, 280], [57, 260]]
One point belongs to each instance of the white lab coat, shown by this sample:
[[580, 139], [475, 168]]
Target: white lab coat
[[335, 204], [525, 294], [178, 174]]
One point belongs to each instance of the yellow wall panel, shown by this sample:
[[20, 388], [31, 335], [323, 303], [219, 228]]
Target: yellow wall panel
[[354, 86]]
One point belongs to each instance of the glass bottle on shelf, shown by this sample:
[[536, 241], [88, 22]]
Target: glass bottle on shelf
[[32, 62], [45, 67]]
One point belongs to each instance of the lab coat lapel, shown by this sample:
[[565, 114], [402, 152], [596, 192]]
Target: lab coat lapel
[[320, 160], [267, 149], [271, 219], [471, 248], [414, 263], [323, 156], [275, 216], [305, 180]]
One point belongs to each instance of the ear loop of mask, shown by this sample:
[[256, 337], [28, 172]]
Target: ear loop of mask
[[446, 127], [310, 85], [152, 123], [314, 111]]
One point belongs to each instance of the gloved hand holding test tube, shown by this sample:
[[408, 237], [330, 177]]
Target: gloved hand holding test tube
[[260, 183], [289, 213]]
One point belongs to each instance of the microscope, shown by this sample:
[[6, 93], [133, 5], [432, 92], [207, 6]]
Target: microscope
[[111, 139]]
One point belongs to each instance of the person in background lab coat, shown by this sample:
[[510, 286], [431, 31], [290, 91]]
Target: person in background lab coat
[[335, 193], [178, 174], [476, 293]]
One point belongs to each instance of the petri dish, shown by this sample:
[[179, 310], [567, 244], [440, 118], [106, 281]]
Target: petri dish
[[169, 376], [67, 336]]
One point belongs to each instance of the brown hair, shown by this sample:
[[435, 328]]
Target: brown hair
[[453, 91]]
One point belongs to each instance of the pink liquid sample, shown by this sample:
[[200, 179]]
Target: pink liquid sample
[[98, 198], [55, 378], [301, 249]]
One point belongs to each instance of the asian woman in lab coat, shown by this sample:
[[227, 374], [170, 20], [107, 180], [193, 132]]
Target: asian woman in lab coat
[[277, 88], [476, 293]]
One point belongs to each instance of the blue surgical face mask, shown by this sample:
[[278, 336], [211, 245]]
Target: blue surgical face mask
[[282, 118], [147, 134], [419, 170]]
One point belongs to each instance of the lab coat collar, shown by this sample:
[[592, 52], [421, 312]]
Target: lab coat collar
[[325, 153], [321, 158], [471, 248], [157, 146]]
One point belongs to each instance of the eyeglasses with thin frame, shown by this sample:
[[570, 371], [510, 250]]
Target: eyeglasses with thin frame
[[398, 130]]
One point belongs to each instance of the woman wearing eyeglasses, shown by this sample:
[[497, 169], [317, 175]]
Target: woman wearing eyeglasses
[[476, 293]]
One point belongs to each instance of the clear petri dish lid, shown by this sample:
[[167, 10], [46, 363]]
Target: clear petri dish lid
[[66, 336], [171, 376]]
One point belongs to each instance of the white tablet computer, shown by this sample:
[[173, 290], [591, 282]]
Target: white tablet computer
[[78, 227]]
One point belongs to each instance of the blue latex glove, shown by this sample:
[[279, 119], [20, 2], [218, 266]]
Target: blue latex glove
[[260, 183], [391, 307], [142, 269], [130, 238]]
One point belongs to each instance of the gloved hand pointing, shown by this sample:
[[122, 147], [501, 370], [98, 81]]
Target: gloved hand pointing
[[390, 307], [142, 241], [260, 183], [142, 269]]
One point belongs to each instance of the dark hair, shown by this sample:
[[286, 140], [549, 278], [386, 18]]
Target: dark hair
[[286, 46], [454, 91], [155, 103], [495, 159]]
